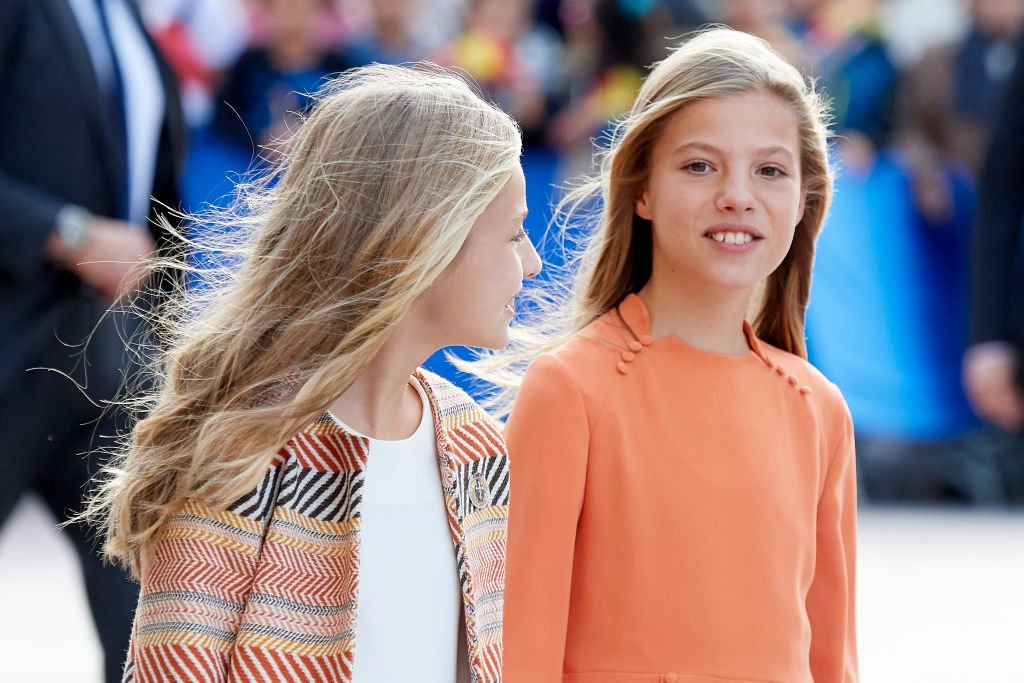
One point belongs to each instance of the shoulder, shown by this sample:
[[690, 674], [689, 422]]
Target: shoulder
[[581, 370], [823, 394], [466, 430], [453, 405], [592, 354]]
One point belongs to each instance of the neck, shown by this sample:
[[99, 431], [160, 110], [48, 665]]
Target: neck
[[707, 318], [381, 403]]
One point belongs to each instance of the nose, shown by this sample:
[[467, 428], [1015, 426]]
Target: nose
[[530, 259], [735, 194]]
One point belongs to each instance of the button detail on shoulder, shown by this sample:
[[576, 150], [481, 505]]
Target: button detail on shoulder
[[635, 346], [645, 340], [622, 367], [628, 356], [670, 678]]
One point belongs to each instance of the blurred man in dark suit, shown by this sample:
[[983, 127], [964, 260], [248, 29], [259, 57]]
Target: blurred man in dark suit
[[90, 130], [994, 364]]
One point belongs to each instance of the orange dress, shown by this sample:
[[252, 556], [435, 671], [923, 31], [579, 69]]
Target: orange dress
[[678, 516]]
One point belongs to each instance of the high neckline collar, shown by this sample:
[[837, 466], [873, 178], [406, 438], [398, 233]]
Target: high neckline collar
[[637, 318]]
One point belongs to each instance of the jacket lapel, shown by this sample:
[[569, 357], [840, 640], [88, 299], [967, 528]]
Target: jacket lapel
[[452, 497], [79, 60]]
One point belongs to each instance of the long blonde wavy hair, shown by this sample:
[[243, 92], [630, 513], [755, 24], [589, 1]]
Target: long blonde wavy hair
[[380, 187], [614, 260]]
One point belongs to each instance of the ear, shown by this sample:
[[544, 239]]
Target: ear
[[642, 206]]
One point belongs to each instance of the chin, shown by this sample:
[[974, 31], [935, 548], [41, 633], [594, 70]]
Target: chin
[[494, 341], [496, 344], [735, 281]]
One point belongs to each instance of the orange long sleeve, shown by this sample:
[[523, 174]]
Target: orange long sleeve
[[830, 601], [550, 431]]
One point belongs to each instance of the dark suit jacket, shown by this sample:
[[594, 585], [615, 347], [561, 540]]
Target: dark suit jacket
[[998, 252], [55, 149]]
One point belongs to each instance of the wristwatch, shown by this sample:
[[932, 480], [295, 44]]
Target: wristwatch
[[73, 228]]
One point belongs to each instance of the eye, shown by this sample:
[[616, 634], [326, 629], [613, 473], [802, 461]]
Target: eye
[[520, 236], [772, 172], [697, 167]]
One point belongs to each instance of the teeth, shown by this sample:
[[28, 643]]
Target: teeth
[[732, 237]]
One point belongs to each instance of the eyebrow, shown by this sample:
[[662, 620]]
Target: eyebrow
[[705, 147]]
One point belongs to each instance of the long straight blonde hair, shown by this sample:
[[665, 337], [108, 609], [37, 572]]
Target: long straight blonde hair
[[382, 183], [615, 259]]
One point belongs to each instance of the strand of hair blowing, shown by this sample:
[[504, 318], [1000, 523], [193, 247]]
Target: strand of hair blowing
[[382, 184]]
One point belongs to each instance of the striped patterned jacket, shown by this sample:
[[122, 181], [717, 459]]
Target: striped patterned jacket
[[267, 590]]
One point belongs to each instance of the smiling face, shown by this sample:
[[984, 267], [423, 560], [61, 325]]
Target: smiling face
[[724, 192], [473, 301]]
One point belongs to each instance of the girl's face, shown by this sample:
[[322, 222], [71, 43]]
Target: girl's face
[[724, 192], [473, 300]]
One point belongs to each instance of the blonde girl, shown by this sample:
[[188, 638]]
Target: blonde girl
[[302, 502], [684, 501]]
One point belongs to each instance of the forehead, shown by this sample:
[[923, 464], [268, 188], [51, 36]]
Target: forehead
[[507, 208], [511, 199], [748, 121]]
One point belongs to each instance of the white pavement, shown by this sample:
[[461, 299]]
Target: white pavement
[[941, 599]]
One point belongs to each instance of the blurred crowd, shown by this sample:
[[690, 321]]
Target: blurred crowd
[[891, 306]]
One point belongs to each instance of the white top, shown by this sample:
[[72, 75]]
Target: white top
[[410, 603], [143, 91]]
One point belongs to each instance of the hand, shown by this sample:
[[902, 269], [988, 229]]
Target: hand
[[113, 260], [990, 379]]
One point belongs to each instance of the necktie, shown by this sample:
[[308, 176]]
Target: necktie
[[115, 106]]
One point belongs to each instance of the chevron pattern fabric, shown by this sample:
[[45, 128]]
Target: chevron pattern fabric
[[267, 590]]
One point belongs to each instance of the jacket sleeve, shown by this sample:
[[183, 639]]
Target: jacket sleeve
[[29, 213], [548, 437], [997, 225], [195, 587], [830, 600]]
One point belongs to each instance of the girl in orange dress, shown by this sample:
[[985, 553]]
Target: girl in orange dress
[[683, 491]]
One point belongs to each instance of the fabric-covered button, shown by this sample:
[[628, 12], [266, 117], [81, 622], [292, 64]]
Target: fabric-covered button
[[622, 368], [779, 371], [670, 678], [645, 340], [804, 389], [628, 356], [635, 346], [792, 380]]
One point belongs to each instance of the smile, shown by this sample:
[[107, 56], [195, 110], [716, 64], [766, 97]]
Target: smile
[[732, 237]]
